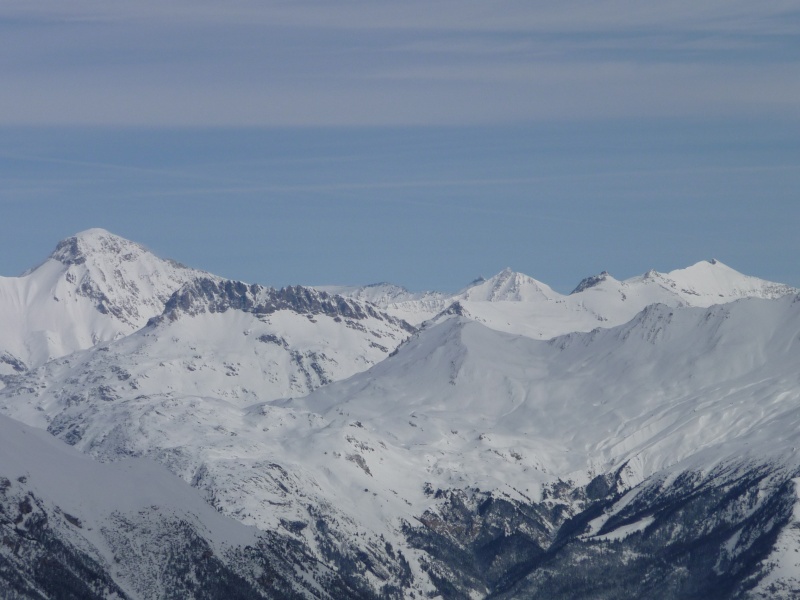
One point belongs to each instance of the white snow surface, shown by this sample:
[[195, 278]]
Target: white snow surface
[[381, 294], [624, 531], [460, 405], [93, 492], [94, 287], [516, 303], [658, 390], [233, 356], [524, 387]]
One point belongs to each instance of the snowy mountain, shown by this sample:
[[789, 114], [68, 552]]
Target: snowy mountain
[[73, 527], [508, 286], [516, 303], [94, 287], [231, 341], [676, 432], [632, 439], [674, 391], [653, 391], [381, 294], [412, 307]]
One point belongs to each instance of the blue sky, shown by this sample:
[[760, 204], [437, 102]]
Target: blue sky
[[420, 143]]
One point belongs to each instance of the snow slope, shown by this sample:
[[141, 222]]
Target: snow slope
[[220, 339], [649, 393], [94, 287], [459, 406], [516, 303], [517, 423], [74, 527]]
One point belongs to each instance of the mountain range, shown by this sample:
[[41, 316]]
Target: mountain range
[[631, 439]]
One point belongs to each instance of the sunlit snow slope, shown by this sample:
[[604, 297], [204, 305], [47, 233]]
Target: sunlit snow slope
[[94, 287], [646, 429], [73, 527], [517, 303]]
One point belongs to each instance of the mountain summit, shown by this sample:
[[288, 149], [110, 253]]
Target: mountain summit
[[507, 286], [517, 303], [94, 287], [712, 282], [123, 278]]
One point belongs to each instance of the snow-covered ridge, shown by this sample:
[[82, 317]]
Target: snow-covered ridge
[[381, 294], [652, 392], [94, 287], [243, 343], [214, 295], [711, 282], [121, 530], [590, 282], [518, 303], [675, 388], [365, 444]]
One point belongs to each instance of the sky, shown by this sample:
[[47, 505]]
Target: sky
[[422, 143]]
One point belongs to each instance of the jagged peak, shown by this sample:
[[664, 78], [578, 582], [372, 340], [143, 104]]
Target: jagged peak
[[506, 274], [386, 284], [651, 274], [590, 282], [122, 278], [456, 309], [97, 244], [216, 295], [75, 249]]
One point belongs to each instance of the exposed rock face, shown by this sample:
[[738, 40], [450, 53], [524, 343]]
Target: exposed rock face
[[122, 278], [590, 282], [218, 296], [700, 535], [95, 287]]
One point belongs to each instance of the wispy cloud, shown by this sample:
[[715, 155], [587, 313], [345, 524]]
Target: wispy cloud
[[373, 63]]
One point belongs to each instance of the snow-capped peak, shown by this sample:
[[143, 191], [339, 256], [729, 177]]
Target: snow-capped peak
[[95, 245], [122, 278], [317, 419], [507, 285], [94, 287], [590, 282], [712, 282]]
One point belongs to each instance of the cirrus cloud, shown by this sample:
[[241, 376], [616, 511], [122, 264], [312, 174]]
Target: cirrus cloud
[[245, 63]]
